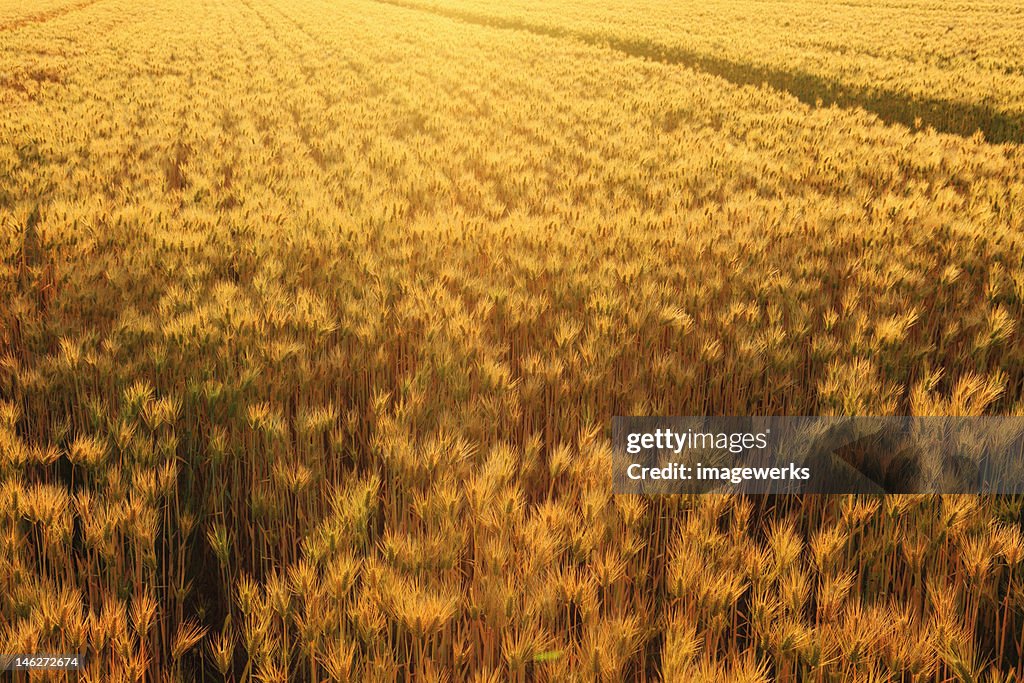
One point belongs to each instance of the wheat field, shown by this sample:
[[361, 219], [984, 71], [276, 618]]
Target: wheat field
[[314, 315]]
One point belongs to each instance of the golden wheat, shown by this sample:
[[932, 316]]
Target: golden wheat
[[314, 317]]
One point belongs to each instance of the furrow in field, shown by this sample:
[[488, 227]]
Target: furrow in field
[[43, 17]]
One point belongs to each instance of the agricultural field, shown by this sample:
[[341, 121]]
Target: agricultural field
[[314, 315], [956, 67]]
